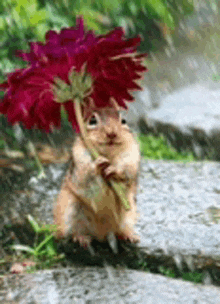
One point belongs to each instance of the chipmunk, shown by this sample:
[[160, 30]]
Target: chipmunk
[[87, 207]]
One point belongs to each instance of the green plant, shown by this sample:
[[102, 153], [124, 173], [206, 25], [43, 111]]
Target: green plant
[[20, 22], [167, 272], [216, 77], [44, 248], [147, 17], [122, 12], [195, 277], [157, 148], [19, 15], [23, 20]]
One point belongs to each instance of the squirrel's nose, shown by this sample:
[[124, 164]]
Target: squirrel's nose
[[111, 135]]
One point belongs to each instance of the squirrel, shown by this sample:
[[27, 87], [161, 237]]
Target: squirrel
[[87, 207]]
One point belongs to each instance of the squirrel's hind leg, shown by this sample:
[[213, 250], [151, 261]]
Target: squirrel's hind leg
[[69, 216], [64, 211]]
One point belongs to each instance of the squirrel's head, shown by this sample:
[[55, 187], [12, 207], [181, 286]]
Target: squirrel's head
[[107, 129]]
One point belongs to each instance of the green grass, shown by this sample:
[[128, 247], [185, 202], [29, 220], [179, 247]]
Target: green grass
[[156, 148], [44, 250], [195, 277]]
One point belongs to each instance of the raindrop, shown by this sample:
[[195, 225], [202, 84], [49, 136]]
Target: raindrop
[[207, 280]]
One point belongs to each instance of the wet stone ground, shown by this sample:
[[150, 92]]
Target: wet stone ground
[[179, 213], [96, 285]]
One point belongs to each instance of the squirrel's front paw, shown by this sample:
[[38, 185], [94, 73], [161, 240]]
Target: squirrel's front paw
[[107, 170], [101, 164], [110, 172]]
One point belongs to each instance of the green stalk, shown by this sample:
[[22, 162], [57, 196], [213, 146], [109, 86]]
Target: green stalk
[[116, 186], [32, 149], [78, 111]]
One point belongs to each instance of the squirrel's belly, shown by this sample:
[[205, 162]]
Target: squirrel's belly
[[94, 190], [103, 205]]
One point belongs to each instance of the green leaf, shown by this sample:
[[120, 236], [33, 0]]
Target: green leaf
[[157, 148], [15, 16], [133, 8], [8, 66], [161, 10], [112, 5], [34, 224], [56, 18], [187, 6], [42, 244], [2, 23], [23, 248], [50, 249], [26, 6], [41, 30], [38, 17], [49, 228], [91, 16], [193, 276]]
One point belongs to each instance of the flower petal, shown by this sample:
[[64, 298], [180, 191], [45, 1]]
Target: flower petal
[[110, 60]]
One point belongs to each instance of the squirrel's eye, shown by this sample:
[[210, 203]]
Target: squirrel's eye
[[123, 121], [93, 121]]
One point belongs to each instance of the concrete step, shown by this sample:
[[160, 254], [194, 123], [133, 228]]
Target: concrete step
[[96, 285]]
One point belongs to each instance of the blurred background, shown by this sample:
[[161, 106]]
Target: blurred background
[[182, 39]]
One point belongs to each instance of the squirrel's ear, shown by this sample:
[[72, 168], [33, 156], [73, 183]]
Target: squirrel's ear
[[88, 108], [114, 104]]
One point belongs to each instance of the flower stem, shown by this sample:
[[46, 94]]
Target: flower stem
[[116, 186], [79, 117], [32, 149]]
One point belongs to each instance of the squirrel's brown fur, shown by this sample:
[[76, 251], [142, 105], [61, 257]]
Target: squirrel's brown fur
[[87, 207]]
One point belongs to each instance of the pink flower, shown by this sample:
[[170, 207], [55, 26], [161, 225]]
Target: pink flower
[[110, 60]]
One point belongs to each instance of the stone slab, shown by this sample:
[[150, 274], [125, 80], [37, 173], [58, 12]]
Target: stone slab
[[190, 119], [102, 285], [179, 206]]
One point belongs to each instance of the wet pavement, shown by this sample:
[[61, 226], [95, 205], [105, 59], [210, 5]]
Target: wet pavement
[[95, 285]]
